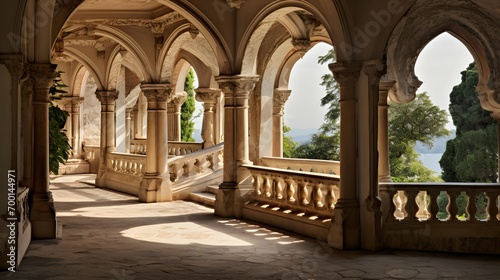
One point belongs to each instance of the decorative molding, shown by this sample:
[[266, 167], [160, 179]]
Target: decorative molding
[[280, 97], [237, 85], [345, 73], [107, 97], [42, 76], [235, 3], [207, 95], [156, 25], [375, 70], [15, 65], [157, 92]]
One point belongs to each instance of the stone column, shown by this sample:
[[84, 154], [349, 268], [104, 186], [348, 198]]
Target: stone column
[[209, 98], [155, 186], [384, 168], [43, 212], [174, 116], [141, 111], [75, 119], [219, 119], [279, 99], [27, 126], [128, 128], [108, 141], [236, 91], [135, 119], [345, 229]]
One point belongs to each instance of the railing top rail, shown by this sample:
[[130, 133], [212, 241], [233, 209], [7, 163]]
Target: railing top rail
[[439, 186], [91, 146], [186, 143], [280, 171], [128, 155], [196, 154], [301, 160]]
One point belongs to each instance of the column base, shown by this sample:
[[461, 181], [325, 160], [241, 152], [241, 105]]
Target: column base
[[345, 230], [155, 189], [385, 179], [229, 201], [43, 216]]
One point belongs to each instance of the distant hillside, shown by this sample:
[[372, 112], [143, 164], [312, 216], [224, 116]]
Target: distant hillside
[[439, 145], [301, 135]]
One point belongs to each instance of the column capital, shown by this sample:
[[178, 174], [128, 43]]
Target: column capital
[[15, 65], [129, 110], [107, 96], [178, 99], [345, 73], [375, 69], [281, 96], [42, 75], [235, 3], [76, 101], [207, 95], [157, 92], [237, 84]]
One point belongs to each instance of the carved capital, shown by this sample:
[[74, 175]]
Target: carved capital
[[178, 99], [15, 65], [106, 97], [207, 95], [384, 88], [345, 73], [280, 97], [42, 75], [375, 70], [235, 3], [301, 45], [157, 92], [237, 85]]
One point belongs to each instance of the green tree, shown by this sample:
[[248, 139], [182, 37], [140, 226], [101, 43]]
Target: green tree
[[473, 155], [59, 147], [187, 109], [419, 120], [289, 145]]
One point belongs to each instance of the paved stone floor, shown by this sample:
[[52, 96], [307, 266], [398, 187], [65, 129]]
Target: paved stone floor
[[108, 235]]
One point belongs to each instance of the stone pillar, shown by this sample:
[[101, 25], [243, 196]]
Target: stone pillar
[[135, 119], [209, 98], [279, 99], [345, 228], [384, 167], [142, 107], [371, 213], [75, 120], [108, 141], [236, 91], [128, 128], [155, 186], [27, 126], [174, 116], [219, 119], [43, 212]]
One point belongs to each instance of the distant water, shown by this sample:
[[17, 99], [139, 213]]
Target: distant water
[[431, 161]]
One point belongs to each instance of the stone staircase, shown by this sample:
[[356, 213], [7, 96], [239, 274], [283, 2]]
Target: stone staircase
[[206, 197]]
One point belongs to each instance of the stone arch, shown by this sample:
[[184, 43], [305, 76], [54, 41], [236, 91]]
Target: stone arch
[[113, 69], [476, 30], [77, 79], [89, 64], [262, 23], [180, 44], [202, 71]]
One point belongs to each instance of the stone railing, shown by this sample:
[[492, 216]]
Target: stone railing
[[183, 148], [457, 217], [138, 146], [299, 191], [307, 165], [188, 166], [126, 163], [92, 155]]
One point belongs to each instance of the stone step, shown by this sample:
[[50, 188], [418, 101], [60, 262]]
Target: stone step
[[205, 198]]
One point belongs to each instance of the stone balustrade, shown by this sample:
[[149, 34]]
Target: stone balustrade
[[126, 163], [299, 191], [23, 209], [183, 148], [188, 165], [92, 155], [138, 146], [307, 165], [463, 217]]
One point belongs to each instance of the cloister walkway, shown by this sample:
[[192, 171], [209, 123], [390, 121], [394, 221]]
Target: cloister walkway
[[109, 235]]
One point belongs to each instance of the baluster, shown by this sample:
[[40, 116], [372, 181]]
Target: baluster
[[267, 186], [303, 193], [290, 190], [482, 202], [330, 198], [422, 206], [470, 206], [278, 184], [434, 207], [257, 185], [399, 200], [318, 195]]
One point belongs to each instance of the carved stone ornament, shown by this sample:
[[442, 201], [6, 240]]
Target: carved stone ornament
[[207, 95], [15, 65], [235, 3], [375, 70], [237, 85], [345, 73], [280, 97], [42, 75], [106, 97], [157, 92]]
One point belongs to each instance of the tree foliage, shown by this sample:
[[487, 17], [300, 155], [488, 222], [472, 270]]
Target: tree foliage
[[187, 109], [59, 147], [419, 120], [289, 145], [473, 155]]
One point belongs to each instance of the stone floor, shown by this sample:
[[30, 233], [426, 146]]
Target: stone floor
[[108, 235]]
